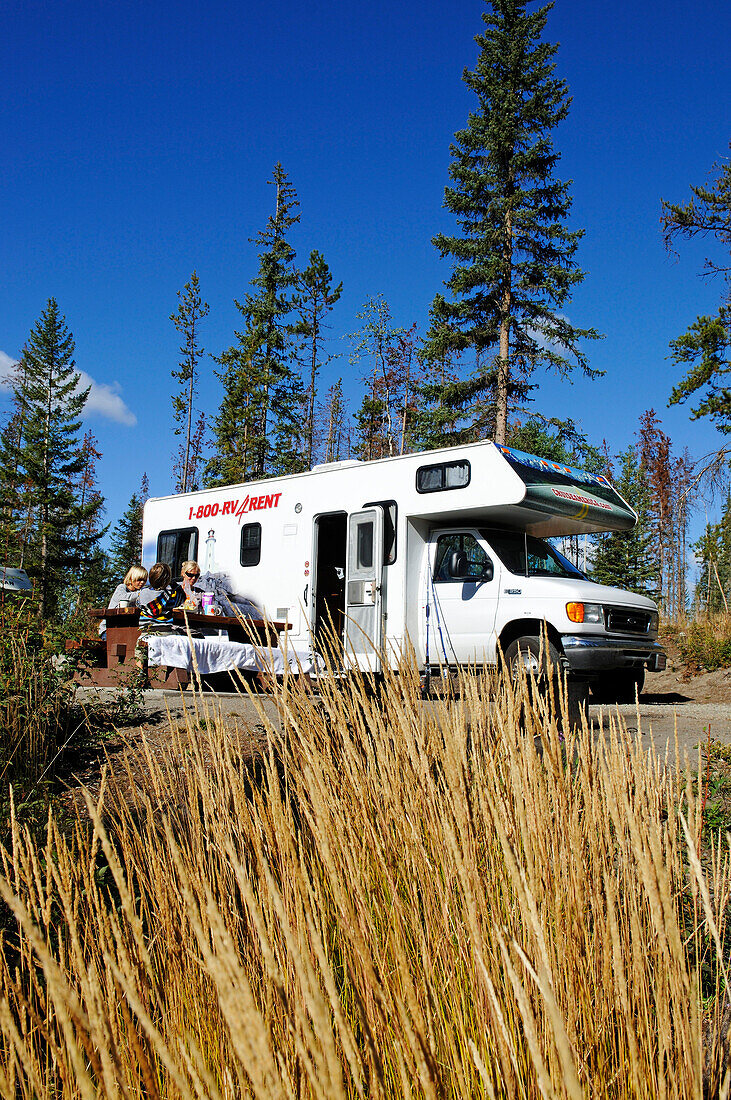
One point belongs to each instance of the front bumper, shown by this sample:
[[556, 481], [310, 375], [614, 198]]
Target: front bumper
[[597, 653]]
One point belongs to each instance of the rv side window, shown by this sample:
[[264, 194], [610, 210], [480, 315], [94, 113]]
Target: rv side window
[[175, 547], [442, 475], [250, 544]]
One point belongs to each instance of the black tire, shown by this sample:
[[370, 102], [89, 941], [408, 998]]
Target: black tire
[[534, 655], [618, 686]]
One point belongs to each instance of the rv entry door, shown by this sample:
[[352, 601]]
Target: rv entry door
[[363, 588]]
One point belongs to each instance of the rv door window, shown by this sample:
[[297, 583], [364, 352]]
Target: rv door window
[[175, 547], [442, 475], [364, 541], [250, 544]]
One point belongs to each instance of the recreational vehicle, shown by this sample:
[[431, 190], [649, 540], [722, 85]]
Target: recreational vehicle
[[443, 551]]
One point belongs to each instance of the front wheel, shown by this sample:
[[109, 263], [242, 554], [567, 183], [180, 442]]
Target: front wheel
[[536, 657], [619, 686]]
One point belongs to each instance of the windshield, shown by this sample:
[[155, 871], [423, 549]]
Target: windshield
[[543, 560]]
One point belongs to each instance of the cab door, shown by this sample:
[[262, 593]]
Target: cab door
[[463, 585], [363, 588]]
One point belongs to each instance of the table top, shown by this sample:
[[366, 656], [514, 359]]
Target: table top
[[195, 618]]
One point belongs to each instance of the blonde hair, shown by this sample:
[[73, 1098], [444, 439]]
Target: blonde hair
[[189, 565], [135, 573]]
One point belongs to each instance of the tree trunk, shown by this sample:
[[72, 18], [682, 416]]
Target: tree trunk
[[503, 367]]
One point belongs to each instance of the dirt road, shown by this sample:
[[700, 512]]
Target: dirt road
[[671, 706]]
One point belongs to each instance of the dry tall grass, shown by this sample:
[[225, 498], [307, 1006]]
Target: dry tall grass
[[412, 901]]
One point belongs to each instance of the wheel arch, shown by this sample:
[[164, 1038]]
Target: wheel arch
[[520, 628]]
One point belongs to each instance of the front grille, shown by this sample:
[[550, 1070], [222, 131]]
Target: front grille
[[626, 620]]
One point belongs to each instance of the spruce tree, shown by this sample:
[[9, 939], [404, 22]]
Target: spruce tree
[[125, 543], [256, 429], [45, 458], [627, 559], [704, 349], [440, 418], [187, 319], [513, 264]]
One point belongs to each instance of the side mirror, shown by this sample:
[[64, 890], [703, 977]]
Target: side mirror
[[488, 571], [458, 564]]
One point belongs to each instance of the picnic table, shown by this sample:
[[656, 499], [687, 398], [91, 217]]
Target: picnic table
[[111, 660]]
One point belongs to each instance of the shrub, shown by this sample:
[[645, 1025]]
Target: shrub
[[706, 643], [34, 696]]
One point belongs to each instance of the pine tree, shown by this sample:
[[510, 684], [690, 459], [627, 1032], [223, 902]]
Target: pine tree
[[704, 348], [713, 551], [187, 319], [316, 297], [256, 429], [626, 558], [513, 262], [47, 459]]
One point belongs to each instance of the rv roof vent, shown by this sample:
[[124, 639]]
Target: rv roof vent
[[336, 465]]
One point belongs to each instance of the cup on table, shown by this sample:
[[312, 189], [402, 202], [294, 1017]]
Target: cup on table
[[207, 603]]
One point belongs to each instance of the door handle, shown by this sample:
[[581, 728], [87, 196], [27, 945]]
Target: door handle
[[307, 589]]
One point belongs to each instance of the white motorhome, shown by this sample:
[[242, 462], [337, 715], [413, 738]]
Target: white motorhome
[[444, 551]]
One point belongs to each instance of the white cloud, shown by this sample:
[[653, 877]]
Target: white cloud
[[6, 369], [103, 400]]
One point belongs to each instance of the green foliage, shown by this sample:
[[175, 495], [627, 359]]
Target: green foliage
[[513, 264], [558, 440], [256, 431], [626, 558], [49, 525], [704, 347]]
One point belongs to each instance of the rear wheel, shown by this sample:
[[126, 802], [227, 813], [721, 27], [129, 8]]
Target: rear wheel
[[618, 686]]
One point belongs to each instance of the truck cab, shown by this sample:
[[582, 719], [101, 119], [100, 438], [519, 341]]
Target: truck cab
[[492, 593]]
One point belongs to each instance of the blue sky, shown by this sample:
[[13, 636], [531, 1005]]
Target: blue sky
[[137, 140]]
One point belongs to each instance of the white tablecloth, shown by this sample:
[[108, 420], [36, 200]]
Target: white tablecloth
[[220, 655]]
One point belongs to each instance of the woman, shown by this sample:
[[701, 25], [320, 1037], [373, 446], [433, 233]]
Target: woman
[[190, 573], [129, 590]]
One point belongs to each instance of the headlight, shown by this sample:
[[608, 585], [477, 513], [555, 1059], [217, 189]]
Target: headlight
[[654, 622], [584, 612]]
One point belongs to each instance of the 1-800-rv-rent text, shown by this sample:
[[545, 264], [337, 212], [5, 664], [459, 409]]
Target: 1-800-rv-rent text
[[443, 551]]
